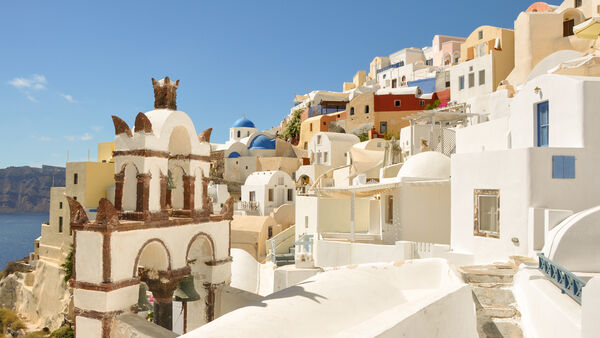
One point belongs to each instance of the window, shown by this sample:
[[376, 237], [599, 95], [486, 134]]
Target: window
[[482, 77], [270, 232], [318, 139], [394, 83], [310, 126], [487, 213], [60, 205], [401, 63], [461, 82], [422, 103], [324, 123], [383, 127], [543, 124], [471, 80], [455, 59], [384, 76], [306, 221], [447, 84], [290, 196], [568, 27], [239, 133], [75, 178], [248, 134], [270, 195], [60, 224], [397, 103], [366, 109], [389, 209], [563, 166], [280, 180], [577, 3], [325, 157], [351, 110], [75, 198], [480, 34], [252, 196]]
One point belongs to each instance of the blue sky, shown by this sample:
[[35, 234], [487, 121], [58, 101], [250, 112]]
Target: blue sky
[[68, 65]]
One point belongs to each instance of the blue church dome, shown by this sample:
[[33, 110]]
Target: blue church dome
[[243, 122], [262, 142]]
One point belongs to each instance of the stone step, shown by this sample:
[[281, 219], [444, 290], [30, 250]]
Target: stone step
[[497, 312], [496, 295], [499, 328], [493, 273]]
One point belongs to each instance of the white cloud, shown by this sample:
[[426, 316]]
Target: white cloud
[[97, 128], [84, 137], [34, 82], [68, 98], [42, 138]]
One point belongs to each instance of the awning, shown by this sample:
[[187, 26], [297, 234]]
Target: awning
[[589, 29]]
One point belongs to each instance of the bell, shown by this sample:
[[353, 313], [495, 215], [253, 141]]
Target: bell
[[170, 184], [143, 303], [186, 292]]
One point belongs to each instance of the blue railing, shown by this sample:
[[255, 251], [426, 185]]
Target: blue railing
[[566, 281], [394, 65], [306, 241]]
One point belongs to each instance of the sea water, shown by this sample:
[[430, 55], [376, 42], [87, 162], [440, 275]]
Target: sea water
[[18, 231]]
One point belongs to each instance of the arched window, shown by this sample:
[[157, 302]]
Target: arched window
[[239, 134]]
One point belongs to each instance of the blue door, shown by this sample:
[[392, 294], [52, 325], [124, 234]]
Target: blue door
[[543, 124]]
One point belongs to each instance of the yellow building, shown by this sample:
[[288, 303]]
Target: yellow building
[[487, 58], [543, 30], [87, 182], [358, 80]]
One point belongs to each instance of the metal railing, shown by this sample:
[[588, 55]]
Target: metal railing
[[248, 205], [566, 281]]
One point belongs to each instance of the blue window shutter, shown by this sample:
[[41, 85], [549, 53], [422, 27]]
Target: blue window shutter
[[557, 167], [569, 166]]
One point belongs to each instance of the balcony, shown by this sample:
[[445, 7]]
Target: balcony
[[316, 110]]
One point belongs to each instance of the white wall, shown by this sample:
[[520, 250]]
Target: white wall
[[463, 69]]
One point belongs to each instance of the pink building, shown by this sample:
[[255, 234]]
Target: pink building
[[446, 50]]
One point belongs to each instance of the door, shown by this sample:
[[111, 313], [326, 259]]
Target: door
[[543, 124]]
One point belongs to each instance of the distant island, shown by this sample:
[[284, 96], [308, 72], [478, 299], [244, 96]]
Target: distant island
[[27, 189]]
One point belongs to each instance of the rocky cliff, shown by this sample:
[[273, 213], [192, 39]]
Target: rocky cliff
[[27, 189]]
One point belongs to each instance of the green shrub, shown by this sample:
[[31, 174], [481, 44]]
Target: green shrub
[[9, 318], [67, 266], [63, 332]]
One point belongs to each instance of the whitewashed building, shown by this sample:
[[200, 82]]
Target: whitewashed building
[[265, 191]]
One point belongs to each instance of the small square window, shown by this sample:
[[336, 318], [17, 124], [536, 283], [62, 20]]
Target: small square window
[[563, 166], [397, 103]]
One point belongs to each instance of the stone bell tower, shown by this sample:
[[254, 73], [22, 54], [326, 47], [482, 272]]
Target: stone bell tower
[[165, 93]]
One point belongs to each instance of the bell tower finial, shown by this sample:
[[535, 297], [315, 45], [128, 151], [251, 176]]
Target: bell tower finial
[[165, 93]]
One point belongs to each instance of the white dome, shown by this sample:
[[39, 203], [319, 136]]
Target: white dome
[[429, 164]]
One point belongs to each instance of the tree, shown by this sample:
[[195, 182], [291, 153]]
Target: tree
[[292, 127]]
